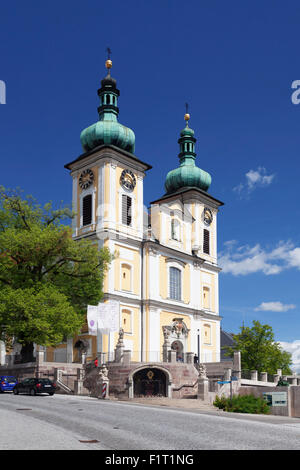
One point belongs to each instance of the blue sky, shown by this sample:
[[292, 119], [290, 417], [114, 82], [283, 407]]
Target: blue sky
[[233, 62]]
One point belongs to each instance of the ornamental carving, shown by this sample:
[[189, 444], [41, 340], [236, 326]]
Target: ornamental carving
[[179, 327]]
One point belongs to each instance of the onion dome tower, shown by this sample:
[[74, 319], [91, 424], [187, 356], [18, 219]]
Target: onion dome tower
[[187, 175], [108, 130]]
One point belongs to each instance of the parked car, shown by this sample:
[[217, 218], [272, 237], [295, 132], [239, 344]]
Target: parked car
[[34, 386], [7, 383]]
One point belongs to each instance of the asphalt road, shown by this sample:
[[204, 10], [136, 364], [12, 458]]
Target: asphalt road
[[62, 422]]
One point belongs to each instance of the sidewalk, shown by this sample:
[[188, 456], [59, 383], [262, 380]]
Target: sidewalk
[[188, 403], [198, 405]]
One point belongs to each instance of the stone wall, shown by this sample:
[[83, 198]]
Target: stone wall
[[181, 378]]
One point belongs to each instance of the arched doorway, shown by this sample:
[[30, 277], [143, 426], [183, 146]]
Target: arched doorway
[[178, 347], [149, 382]]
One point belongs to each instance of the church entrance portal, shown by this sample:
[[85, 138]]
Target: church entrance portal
[[149, 382]]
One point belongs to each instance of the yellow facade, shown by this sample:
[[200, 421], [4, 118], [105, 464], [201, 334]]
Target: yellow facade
[[139, 276]]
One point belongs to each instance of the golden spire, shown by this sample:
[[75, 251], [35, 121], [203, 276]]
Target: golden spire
[[108, 63], [186, 116]]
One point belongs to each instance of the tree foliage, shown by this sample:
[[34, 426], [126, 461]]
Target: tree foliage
[[259, 351], [46, 278]]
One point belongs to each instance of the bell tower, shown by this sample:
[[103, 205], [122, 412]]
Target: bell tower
[[108, 177]]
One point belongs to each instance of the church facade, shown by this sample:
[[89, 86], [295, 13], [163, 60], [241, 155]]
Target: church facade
[[165, 269]]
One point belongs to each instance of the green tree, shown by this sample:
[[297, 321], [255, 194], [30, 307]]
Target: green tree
[[46, 278], [259, 351]]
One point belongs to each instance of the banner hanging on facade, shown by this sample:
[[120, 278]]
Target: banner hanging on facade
[[109, 316], [104, 317], [92, 319]]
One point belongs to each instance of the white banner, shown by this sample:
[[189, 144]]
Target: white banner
[[104, 317], [92, 319], [109, 316]]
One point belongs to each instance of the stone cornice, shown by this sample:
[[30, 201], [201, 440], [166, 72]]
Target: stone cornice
[[177, 309], [108, 152]]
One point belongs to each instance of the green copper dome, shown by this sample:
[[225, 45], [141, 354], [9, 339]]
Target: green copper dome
[[108, 131], [187, 174]]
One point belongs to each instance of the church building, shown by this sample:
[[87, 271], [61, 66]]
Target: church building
[[165, 269]]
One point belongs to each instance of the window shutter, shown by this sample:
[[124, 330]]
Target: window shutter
[[126, 209], [206, 241], [87, 210]]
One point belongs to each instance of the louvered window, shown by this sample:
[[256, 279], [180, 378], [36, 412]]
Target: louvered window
[[87, 210], [206, 241], [126, 209], [175, 284]]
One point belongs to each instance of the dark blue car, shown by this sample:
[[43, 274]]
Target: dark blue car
[[7, 383]]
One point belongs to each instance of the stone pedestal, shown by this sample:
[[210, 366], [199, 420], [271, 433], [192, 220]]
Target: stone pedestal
[[190, 358], [78, 384], [171, 356], [253, 375], [264, 376], [126, 357], [276, 378], [203, 389]]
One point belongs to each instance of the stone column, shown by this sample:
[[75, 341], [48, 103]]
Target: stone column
[[294, 380], [78, 384], [203, 384], [171, 356], [190, 358], [276, 378], [264, 376], [237, 368], [253, 374]]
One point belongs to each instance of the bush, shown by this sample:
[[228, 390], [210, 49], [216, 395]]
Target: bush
[[242, 404]]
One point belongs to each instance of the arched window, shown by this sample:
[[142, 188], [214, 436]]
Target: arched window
[[206, 298], [127, 321], [175, 283], [175, 229], [207, 333], [87, 207], [126, 277]]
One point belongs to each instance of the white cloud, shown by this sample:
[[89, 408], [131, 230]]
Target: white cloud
[[294, 349], [274, 307], [254, 179], [244, 260]]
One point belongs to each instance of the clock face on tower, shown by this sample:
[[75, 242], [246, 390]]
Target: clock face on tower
[[86, 178], [207, 216], [128, 180]]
